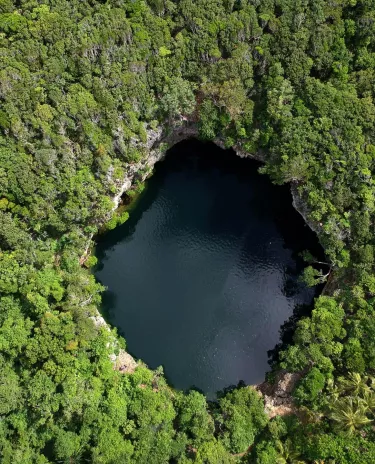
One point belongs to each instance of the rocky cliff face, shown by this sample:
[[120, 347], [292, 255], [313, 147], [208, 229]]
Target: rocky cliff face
[[158, 142], [300, 205]]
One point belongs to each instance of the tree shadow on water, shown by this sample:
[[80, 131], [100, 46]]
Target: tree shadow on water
[[292, 284], [229, 389], [291, 287], [194, 388], [109, 301]]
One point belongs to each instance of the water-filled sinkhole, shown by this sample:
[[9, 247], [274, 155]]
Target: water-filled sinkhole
[[205, 272]]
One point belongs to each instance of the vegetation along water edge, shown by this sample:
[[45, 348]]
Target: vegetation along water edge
[[87, 88]]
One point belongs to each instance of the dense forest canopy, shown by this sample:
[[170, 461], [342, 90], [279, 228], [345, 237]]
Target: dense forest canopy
[[82, 84]]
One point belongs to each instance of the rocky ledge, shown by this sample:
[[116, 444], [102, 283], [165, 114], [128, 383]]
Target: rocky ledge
[[123, 361], [159, 141], [278, 400]]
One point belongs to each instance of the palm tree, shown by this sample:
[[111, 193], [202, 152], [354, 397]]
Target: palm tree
[[321, 461], [355, 384], [286, 454], [333, 391], [369, 400], [372, 382], [349, 414]]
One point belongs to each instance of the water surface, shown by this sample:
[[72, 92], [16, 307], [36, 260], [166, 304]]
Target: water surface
[[205, 271]]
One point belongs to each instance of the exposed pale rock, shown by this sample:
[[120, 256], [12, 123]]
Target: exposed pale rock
[[125, 363], [277, 396], [300, 205], [240, 151], [99, 321], [156, 146]]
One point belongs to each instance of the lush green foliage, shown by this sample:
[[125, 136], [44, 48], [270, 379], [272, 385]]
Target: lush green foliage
[[81, 84]]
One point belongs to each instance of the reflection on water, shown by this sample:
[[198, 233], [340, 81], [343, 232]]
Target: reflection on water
[[205, 271]]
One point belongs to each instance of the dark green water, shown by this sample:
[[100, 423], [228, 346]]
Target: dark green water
[[204, 273]]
